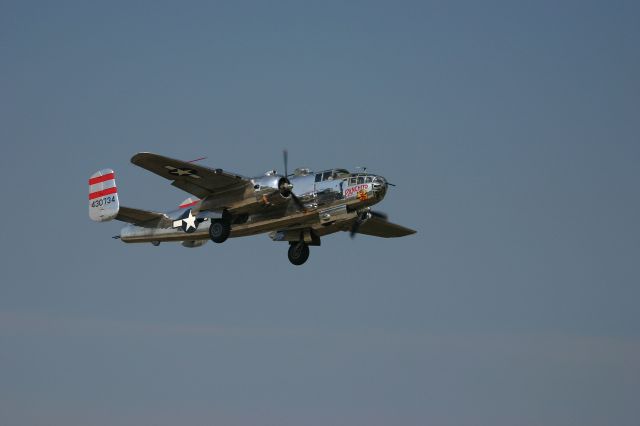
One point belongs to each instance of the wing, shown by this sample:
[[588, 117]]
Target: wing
[[379, 227], [143, 218], [192, 178]]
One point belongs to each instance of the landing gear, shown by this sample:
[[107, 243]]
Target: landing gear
[[298, 253], [219, 230]]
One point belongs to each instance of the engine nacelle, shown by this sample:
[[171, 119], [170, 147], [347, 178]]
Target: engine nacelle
[[274, 199], [266, 184], [272, 189], [193, 244]]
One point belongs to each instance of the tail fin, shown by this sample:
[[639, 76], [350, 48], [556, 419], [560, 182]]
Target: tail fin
[[103, 196]]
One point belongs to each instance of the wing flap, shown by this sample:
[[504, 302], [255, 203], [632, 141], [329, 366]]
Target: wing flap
[[195, 179], [379, 227]]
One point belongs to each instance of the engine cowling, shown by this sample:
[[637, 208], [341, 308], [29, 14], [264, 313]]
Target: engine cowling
[[194, 244], [272, 189]]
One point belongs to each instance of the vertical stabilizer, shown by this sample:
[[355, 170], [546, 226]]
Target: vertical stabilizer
[[189, 202], [103, 196]]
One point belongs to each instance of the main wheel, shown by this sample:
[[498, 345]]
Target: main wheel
[[219, 230], [298, 253]]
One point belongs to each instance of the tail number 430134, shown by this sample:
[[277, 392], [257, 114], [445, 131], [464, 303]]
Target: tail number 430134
[[103, 201]]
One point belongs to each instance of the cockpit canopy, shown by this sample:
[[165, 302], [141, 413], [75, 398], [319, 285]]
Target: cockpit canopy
[[332, 174], [361, 178]]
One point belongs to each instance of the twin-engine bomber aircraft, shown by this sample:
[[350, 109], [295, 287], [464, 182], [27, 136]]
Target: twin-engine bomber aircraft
[[298, 208]]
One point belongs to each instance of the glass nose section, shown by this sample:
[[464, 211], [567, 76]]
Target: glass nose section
[[379, 184]]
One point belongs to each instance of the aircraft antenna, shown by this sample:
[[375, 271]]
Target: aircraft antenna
[[197, 159]]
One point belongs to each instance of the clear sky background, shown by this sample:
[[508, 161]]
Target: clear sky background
[[511, 130]]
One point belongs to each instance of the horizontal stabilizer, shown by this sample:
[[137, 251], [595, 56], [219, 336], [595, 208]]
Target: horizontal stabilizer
[[144, 218], [189, 202]]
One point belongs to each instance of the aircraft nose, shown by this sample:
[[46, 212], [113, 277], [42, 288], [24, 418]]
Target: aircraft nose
[[380, 185]]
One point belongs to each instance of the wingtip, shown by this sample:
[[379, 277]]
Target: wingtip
[[139, 155], [406, 232]]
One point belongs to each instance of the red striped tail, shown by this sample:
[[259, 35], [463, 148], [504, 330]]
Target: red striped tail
[[103, 196]]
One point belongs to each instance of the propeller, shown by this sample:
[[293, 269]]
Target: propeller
[[379, 215], [362, 218], [286, 188], [285, 157]]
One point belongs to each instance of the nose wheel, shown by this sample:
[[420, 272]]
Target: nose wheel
[[219, 230], [298, 253]]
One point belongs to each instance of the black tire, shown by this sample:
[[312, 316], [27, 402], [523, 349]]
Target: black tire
[[298, 253], [219, 230]]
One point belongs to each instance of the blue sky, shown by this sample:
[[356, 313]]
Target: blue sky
[[510, 129]]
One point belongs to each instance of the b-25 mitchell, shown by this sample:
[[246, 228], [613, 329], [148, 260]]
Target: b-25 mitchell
[[299, 208]]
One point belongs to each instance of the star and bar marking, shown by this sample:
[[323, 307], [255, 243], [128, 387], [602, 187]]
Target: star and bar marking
[[182, 172], [187, 223]]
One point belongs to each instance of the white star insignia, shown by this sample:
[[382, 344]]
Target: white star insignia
[[182, 172], [189, 221]]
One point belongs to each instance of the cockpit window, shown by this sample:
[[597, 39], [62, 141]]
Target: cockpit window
[[318, 177], [360, 179], [368, 179], [326, 175], [352, 181]]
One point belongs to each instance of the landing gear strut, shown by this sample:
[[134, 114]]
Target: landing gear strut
[[298, 252], [219, 230]]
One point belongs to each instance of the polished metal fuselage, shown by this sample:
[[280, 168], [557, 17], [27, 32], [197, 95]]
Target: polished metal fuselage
[[331, 200]]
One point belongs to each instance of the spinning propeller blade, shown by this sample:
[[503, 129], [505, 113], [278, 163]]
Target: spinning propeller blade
[[288, 189], [297, 201], [379, 215], [354, 228], [285, 157]]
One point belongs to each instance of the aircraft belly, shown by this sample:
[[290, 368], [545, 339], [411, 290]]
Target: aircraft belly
[[292, 221], [137, 234]]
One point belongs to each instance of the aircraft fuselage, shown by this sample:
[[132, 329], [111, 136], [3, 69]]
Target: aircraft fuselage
[[330, 201]]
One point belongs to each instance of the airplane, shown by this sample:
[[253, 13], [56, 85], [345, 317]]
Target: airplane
[[298, 208]]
